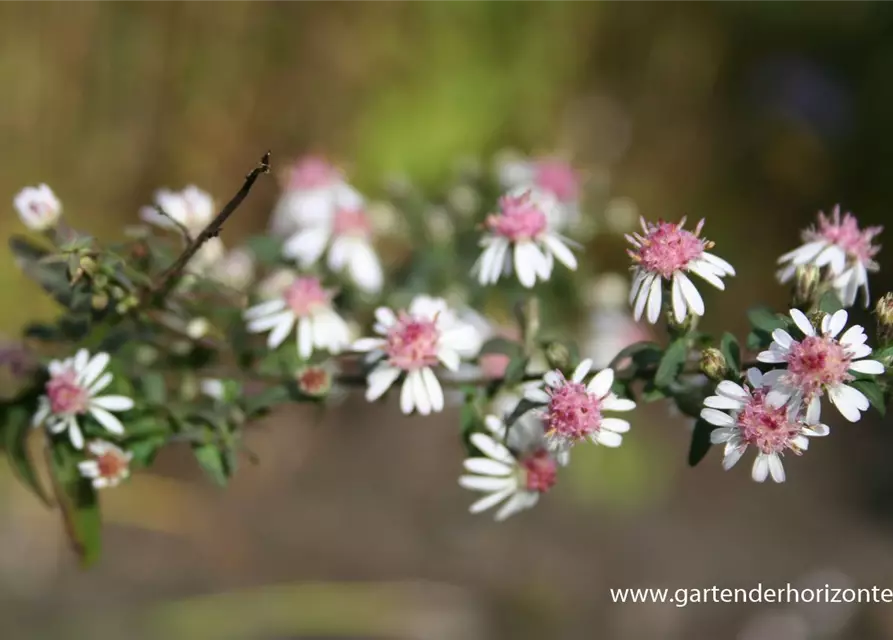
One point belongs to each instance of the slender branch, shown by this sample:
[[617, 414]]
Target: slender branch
[[180, 226], [169, 279]]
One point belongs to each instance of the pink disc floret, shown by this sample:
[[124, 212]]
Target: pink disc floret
[[66, 395], [352, 222], [520, 218], [667, 248], [573, 413], [306, 295], [312, 172], [540, 471], [766, 427], [413, 343], [112, 464], [558, 178], [846, 234], [817, 361]]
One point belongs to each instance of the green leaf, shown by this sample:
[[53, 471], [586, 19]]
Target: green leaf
[[153, 387], [700, 441], [267, 250], [470, 419], [758, 340], [514, 372], [262, 402], [211, 460], [80, 507], [731, 351], [502, 346], [145, 450], [642, 353], [652, 394], [16, 424], [764, 319], [37, 263], [884, 356], [874, 392], [671, 363], [830, 302]]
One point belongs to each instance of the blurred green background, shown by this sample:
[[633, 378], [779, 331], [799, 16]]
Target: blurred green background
[[754, 115]]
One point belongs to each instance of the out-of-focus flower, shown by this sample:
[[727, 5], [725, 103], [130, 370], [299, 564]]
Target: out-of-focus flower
[[307, 305], [314, 380], [346, 239], [515, 475], [611, 327], [551, 175], [235, 269], [884, 312], [522, 228], [574, 410], [191, 207], [198, 328], [819, 363], [666, 251], [213, 388], [753, 420], [275, 284], [841, 246], [38, 207], [71, 393], [413, 343], [314, 190], [107, 466]]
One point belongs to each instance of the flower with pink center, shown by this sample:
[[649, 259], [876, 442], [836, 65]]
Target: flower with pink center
[[753, 420], [71, 396], [574, 411], [820, 362], [107, 466], [551, 175], [305, 305], [515, 469], [839, 245], [412, 343], [192, 208], [520, 236], [666, 251], [313, 192], [38, 207], [345, 240]]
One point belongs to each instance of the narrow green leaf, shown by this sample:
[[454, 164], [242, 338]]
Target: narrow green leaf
[[640, 352], [758, 340], [874, 392], [145, 449], [671, 363], [700, 441], [78, 500], [830, 302], [16, 428], [262, 402], [502, 346], [211, 460], [731, 351], [764, 319], [514, 372], [884, 356]]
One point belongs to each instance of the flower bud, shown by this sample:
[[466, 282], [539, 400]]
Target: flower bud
[[806, 284], [884, 312], [314, 381], [558, 355], [713, 364], [38, 207], [100, 301], [198, 328]]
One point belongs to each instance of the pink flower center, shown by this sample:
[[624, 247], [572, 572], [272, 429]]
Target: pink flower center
[[558, 178], [817, 361], [352, 222], [412, 343], [766, 427], [845, 233], [519, 218], [314, 381], [312, 173], [573, 413], [304, 296], [111, 464], [66, 396], [541, 472], [667, 248]]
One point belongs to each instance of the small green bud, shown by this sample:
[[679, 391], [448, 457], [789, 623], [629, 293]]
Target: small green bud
[[100, 301], [713, 364], [88, 265], [100, 281], [884, 312], [806, 285], [117, 292], [558, 355]]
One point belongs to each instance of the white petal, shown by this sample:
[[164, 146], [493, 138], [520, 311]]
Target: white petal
[[719, 262], [435, 391], [487, 467], [307, 246], [75, 434], [107, 420], [582, 370], [486, 483], [680, 309], [560, 251], [855, 334], [88, 468], [613, 403], [723, 434], [94, 368], [717, 417], [304, 337], [104, 380], [733, 455], [771, 357], [837, 323], [760, 468], [638, 279], [814, 410], [654, 300], [364, 268], [385, 317], [642, 298], [525, 264], [406, 396], [601, 383], [705, 271], [514, 504], [81, 360], [849, 401], [775, 467], [782, 337], [731, 390], [489, 501], [754, 378], [609, 439], [264, 309], [802, 322], [367, 344], [691, 294], [113, 403], [858, 351], [816, 431], [870, 367], [492, 449], [265, 323], [615, 424], [722, 402], [449, 358], [536, 395], [419, 392], [380, 380]]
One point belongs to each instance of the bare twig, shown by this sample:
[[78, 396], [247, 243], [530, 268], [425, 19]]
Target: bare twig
[[169, 279], [180, 226]]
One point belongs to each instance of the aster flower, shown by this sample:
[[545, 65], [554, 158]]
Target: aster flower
[[551, 175], [753, 420], [574, 411], [38, 207], [820, 362], [345, 237], [304, 304], [668, 252], [515, 475], [413, 342], [191, 207], [235, 269], [107, 466], [522, 228], [71, 394], [841, 246], [314, 191]]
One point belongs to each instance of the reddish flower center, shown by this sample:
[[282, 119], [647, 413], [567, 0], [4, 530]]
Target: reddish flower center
[[573, 413], [111, 464], [668, 248], [66, 396], [314, 381], [558, 178], [412, 343], [766, 427], [519, 218], [304, 296], [541, 472], [352, 222], [817, 361], [847, 235], [311, 173]]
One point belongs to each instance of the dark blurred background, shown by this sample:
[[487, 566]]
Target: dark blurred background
[[753, 115]]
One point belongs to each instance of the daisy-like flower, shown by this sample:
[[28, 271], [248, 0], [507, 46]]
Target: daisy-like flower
[[191, 207], [574, 411], [38, 207], [753, 420], [840, 245], [235, 269], [413, 342], [306, 304], [107, 466], [515, 475], [552, 175], [520, 236], [666, 251], [71, 394], [314, 191], [346, 238], [820, 362]]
